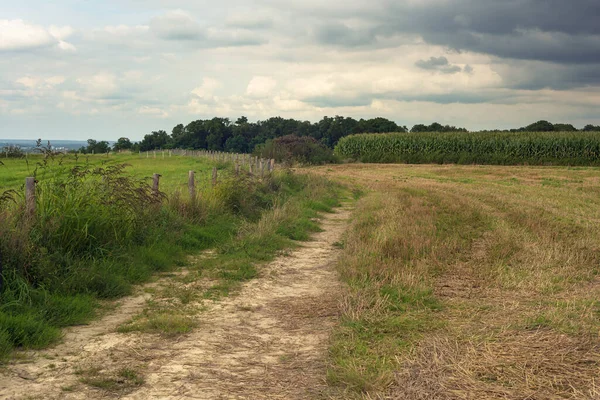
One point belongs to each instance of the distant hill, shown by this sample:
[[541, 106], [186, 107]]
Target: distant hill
[[29, 145]]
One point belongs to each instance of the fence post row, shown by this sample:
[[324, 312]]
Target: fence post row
[[214, 176], [155, 183], [30, 196], [192, 185]]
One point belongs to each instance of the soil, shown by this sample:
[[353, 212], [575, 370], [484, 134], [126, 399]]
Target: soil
[[269, 341]]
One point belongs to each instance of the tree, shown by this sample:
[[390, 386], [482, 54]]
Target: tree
[[419, 128], [436, 127], [123, 144], [591, 128], [155, 140], [95, 147], [540, 126]]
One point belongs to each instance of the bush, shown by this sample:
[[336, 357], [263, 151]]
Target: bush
[[296, 149], [12, 152]]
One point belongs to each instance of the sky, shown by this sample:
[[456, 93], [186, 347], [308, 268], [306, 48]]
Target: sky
[[104, 69]]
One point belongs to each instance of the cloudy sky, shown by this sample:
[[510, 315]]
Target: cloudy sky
[[109, 68]]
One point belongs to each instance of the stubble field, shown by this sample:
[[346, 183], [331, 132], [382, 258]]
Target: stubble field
[[470, 282]]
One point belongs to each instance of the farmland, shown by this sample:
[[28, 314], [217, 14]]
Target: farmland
[[457, 281], [499, 148], [99, 228], [173, 169], [470, 282]]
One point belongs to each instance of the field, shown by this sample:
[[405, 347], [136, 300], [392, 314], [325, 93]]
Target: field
[[457, 282], [470, 282], [494, 148], [173, 169], [99, 229]]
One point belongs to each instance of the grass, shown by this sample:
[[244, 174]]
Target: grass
[[99, 229], [121, 381], [470, 282], [173, 170], [172, 312], [168, 323]]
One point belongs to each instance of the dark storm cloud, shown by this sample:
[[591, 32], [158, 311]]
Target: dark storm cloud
[[561, 31], [558, 77], [460, 97], [440, 64], [179, 26], [340, 34]]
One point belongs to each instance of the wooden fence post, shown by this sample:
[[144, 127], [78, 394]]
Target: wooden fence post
[[214, 176], [155, 181], [237, 169], [192, 185], [30, 196]]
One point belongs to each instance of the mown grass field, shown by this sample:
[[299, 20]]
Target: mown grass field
[[99, 229], [173, 169], [470, 282]]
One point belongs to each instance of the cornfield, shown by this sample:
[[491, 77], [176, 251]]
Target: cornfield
[[502, 148]]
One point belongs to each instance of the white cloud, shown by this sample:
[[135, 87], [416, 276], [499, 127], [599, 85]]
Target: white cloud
[[19, 35], [28, 81], [153, 111], [55, 80], [176, 25], [39, 86], [60, 32], [261, 86], [126, 30], [207, 89], [135, 69]]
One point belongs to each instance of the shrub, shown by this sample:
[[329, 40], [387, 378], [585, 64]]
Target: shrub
[[12, 152], [296, 149]]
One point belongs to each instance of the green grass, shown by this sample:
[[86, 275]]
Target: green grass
[[99, 229], [173, 170], [238, 259], [168, 323], [120, 381]]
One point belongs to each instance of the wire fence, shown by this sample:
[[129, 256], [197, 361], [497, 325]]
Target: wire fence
[[243, 163]]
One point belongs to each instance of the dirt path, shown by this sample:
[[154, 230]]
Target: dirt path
[[269, 341]]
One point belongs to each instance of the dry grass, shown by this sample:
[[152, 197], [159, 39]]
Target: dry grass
[[470, 283]]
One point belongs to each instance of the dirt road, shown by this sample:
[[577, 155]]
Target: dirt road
[[268, 341]]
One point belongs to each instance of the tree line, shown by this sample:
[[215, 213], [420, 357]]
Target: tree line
[[242, 136]]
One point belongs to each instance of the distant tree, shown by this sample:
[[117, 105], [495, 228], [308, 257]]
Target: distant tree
[[219, 130], [155, 140], [236, 144], [436, 127], [419, 128], [123, 144], [95, 147], [591, 128], [178, 132], [540, 126], [564, 128]]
